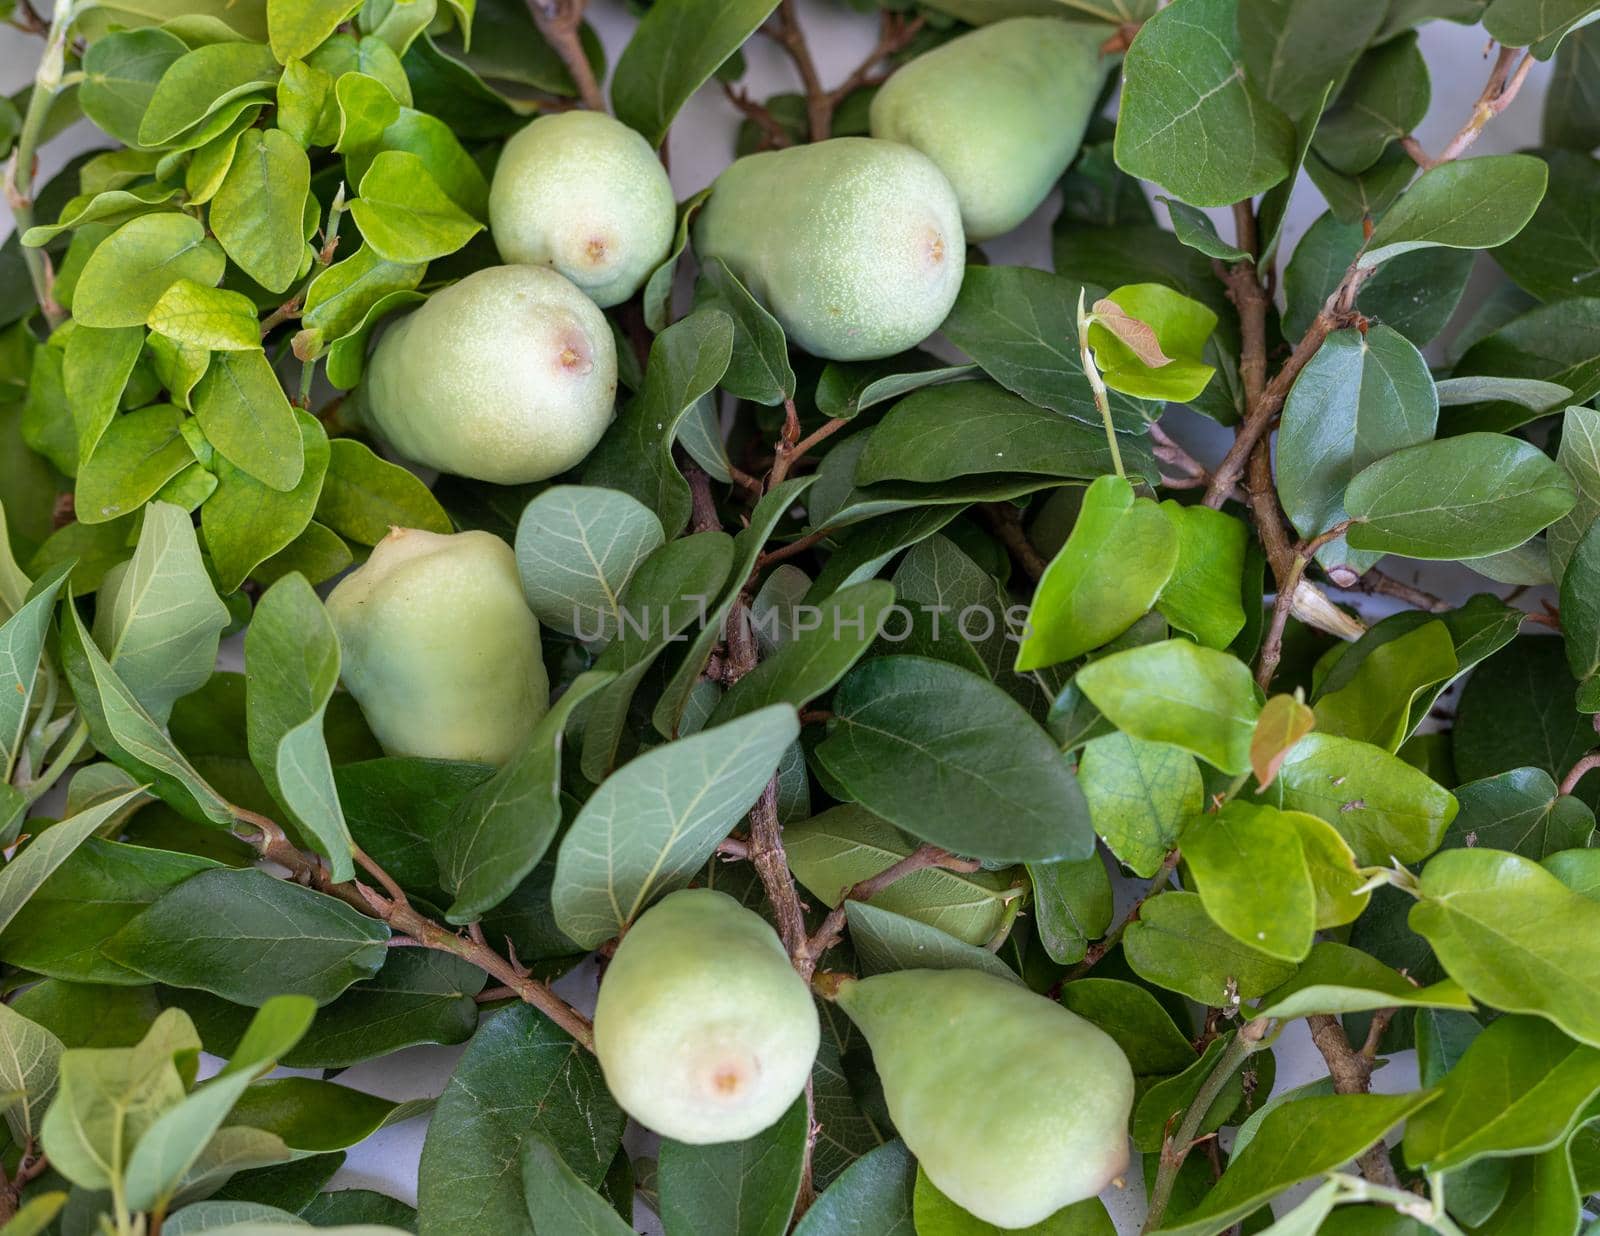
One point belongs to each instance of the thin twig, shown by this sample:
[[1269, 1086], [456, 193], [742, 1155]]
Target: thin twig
[[921, 859], [1375, 582], [561, 24], [1505, 81], [774, 135], [1097, 951], [791, 449], [1006, 523], [792, 38], [791, 549], [1576, 773], [895, 32]]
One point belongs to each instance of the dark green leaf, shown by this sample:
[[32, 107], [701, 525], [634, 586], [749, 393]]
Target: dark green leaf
[[577, 547], [558, 1202], [871, 1198], [759, 369], [739, 1188], [1464, 204]]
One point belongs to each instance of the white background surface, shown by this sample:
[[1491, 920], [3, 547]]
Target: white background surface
[[701, 145]]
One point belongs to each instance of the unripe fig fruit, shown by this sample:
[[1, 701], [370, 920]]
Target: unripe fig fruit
[[854, 245], [703, 1029], [585, 194], [1013, 1106], [507, 376], [1001, 110], [439, 647]]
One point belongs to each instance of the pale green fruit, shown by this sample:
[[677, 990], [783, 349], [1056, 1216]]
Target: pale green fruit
[[585, 194], [703, 1029], [1001, 110], [507, 376], [855, 245], [1013, 1106], [439, 647]]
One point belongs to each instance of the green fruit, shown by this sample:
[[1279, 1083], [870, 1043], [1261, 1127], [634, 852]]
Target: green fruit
[[854, 245], [1013, 1106], [439, 647], [585, 194], [507, 376], [703, 1029], [1001, 110]]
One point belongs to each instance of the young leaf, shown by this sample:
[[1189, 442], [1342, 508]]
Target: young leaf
[[1203, 597], [1140, 794], [743, 1188], [1284, 721], [655, 821], [213, 318], [1250, 870], [1377, 701], [258, 213], [136, 456], [297, 27], [1119, 556], [129, 271], [1148, 341], [404, 215], [1464, 204], [950, 758]]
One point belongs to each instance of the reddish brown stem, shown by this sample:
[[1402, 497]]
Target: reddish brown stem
[[1577, 772], [1006, 523], [791, 449], [1351, 1071], [1505, 81], [561, 24]]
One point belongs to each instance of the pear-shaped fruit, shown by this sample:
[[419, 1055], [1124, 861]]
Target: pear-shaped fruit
[[1013, 1106], [507, 376], [855, 245], [585, 194], [704, 1031], [1001, 110], [439, 647]]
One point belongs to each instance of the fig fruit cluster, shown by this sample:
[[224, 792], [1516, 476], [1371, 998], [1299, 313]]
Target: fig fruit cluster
[[857, 245]]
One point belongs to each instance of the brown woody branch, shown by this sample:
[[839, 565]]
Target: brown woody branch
[[1505, 81], [789, 35], [773, 135], [1006, 524], [1351, 1070], [1097, 951], [561, 24]]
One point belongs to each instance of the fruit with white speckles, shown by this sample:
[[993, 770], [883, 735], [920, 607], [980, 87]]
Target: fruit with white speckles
[[1014, 1106], [1001, 110], [855, 245], [439, 647], [585, 194], [703, 1029], [508, 376]]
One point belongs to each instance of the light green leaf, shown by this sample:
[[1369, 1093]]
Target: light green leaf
[[1514, 936], [673, 52], [341, 296], [1181, 328], [292, 667], [577, 547], [1375, 705], [1190, 119], [885, 941], [29, 1055], [937, 1215], [1072, 905], [1174, 944], [1140, 794], [126, 275], [202, 317], [244, 413], [1174, 691], [1120, 554], [1337, 979], [120, 73], [200, 83], [1464, 204], [297, 27], [404, 215], [364, 495], [258, 215], [94, 374], [1250, 870], [22, 641], [137, 455], [655, 821], [1467, 496], [1203, 597]]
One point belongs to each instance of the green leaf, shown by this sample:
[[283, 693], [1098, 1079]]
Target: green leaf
[[1195, 698], [1174, 944], [263, 937], [1579, 457], [759, 370], [1167, 1100], [1519, 1088], [1362, 396], [810, 664], [1514, 936], [1384, 98], [1294, 49], [1135, 1018], [126, 275], [1204, 595], [246, 522], [743, 1188], [1297, 1141], [200, 83], [316, 1116], [292, 667], [95, 370], [342, 296], [1195, 229], [297, 27], [22, 640], [202, 317], [1550, 343], [1517, 710], [258, 215], [120, 72], [1500, 492], [1190, 119], [1181, 327], [1021, 327], [1336, 978], [830, 853], [687, 360], [975, 428], [176, 1139], [110, 1097], [1377, 701], [658, 288], [1072, 905], [1140, 794], [502, 828], [1250, 870], [404, 215], [29, 1055], [559, 1202], [655, 821], [937, 1215], [364, 495], [1523, 811], [1580, 618], [873, 1195], [673, 52], [1572, 98], [884, 941], [1119, 556], [1381, 805], [36, 1214], [519, 1075], [1464, 204], [1518, 23], [1558, 254], [952, 759], [159, 626], [244, 414], [848, 388], [137, 455], [577, 547]]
